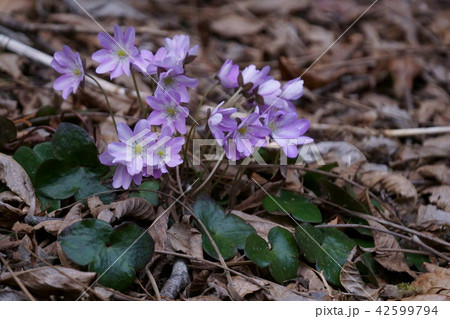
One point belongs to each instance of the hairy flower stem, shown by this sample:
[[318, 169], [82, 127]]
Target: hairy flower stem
[[138, 95], [233, 98], [106, 98]]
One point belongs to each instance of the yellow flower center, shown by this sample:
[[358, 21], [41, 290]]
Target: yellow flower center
[[121, 53], [243, 130], [168, 81], [138, 149], [171, 111], [77, 72], [161, 153]]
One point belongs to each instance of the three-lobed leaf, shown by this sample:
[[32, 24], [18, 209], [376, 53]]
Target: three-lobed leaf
[[327, 247], [281, 257], [229, 232], [115, 254]]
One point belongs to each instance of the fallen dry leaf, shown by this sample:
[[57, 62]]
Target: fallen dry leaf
[[391, 260], [430, 215], [256, 198], [234, 26], [440, 196], [186, 239], [352, 280], [134, 207], [17, 180], [47, 281], [436, 281], [439, 172], [244, 287]]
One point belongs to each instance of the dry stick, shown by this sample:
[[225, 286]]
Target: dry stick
[[17, 280], [153, 283]]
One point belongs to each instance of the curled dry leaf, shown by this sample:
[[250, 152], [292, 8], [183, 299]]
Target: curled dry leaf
[[344, 153], [430, 215], [134, 207], [439, 172], [392, 183], [73, 216], [17, 180], [440, 196], [352, 280], [261, 225], [391, 260], [47, 281], [436, 281], [244, 287], [186, 239]]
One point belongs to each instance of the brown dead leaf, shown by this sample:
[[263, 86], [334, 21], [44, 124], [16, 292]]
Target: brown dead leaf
[[47, 281], [50, 226], [436, 281], [73, 216], [440, 196], [404, 70], [235, 26], [10, 63], [392, 183], [427, 298], [22, 227], [263, 7], [431, 215], [186, 239], [391, 260], [314, 283], [159, 231], [261, 225], [134, 207], [344, 153], [17, 180], [244, 287], [281, 293], [9, 213], [351, 278], [12, 295], [218, 282], [439, 172]]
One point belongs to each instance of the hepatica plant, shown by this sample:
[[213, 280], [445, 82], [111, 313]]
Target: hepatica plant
[[258, 110]]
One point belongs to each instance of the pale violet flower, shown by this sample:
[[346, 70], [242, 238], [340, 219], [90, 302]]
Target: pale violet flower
[[69, 64], [117, 54], [171, 80], [220, 122], [228, 75], [165, 152], [168, 112]]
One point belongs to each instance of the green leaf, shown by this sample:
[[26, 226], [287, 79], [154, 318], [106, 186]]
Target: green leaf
[[8, 131], [300, 207], [44, 151], [115, 254], [328, 248], [29, 160], [310, 179], [416, 261], [151, 197], [60, 180], [229, 232], [281, 257], [72, 144]]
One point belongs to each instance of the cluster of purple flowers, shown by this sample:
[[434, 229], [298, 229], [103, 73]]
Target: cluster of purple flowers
[[139, 152], [142, 152], [273, 113]]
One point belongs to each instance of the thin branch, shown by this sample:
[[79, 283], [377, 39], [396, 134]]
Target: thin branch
[[17, 280]]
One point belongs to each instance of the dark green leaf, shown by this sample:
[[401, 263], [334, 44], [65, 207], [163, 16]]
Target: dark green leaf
[[72, 144], [29, 160], [281, 257], [8, 130], [229, 232], [310, 179], [300, 207], [115, 254], [416, 260], [44, 151], [329, 249], [151, 197]]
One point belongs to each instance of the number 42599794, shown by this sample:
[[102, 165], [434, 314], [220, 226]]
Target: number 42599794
[[406, 310]]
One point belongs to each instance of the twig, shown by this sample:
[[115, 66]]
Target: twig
[[17, 280], [153, 283], [213, 171], [418, 131]]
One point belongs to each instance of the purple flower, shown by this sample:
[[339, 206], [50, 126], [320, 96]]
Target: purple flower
[[178, 49], [130, 153], [150, 61], [255, 77], [287, 131], [291, 91], [117, 54], [165, 152], [168, 112], [69, 64], [242, 141], [228, 75], [171, 80], [220, 122]]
